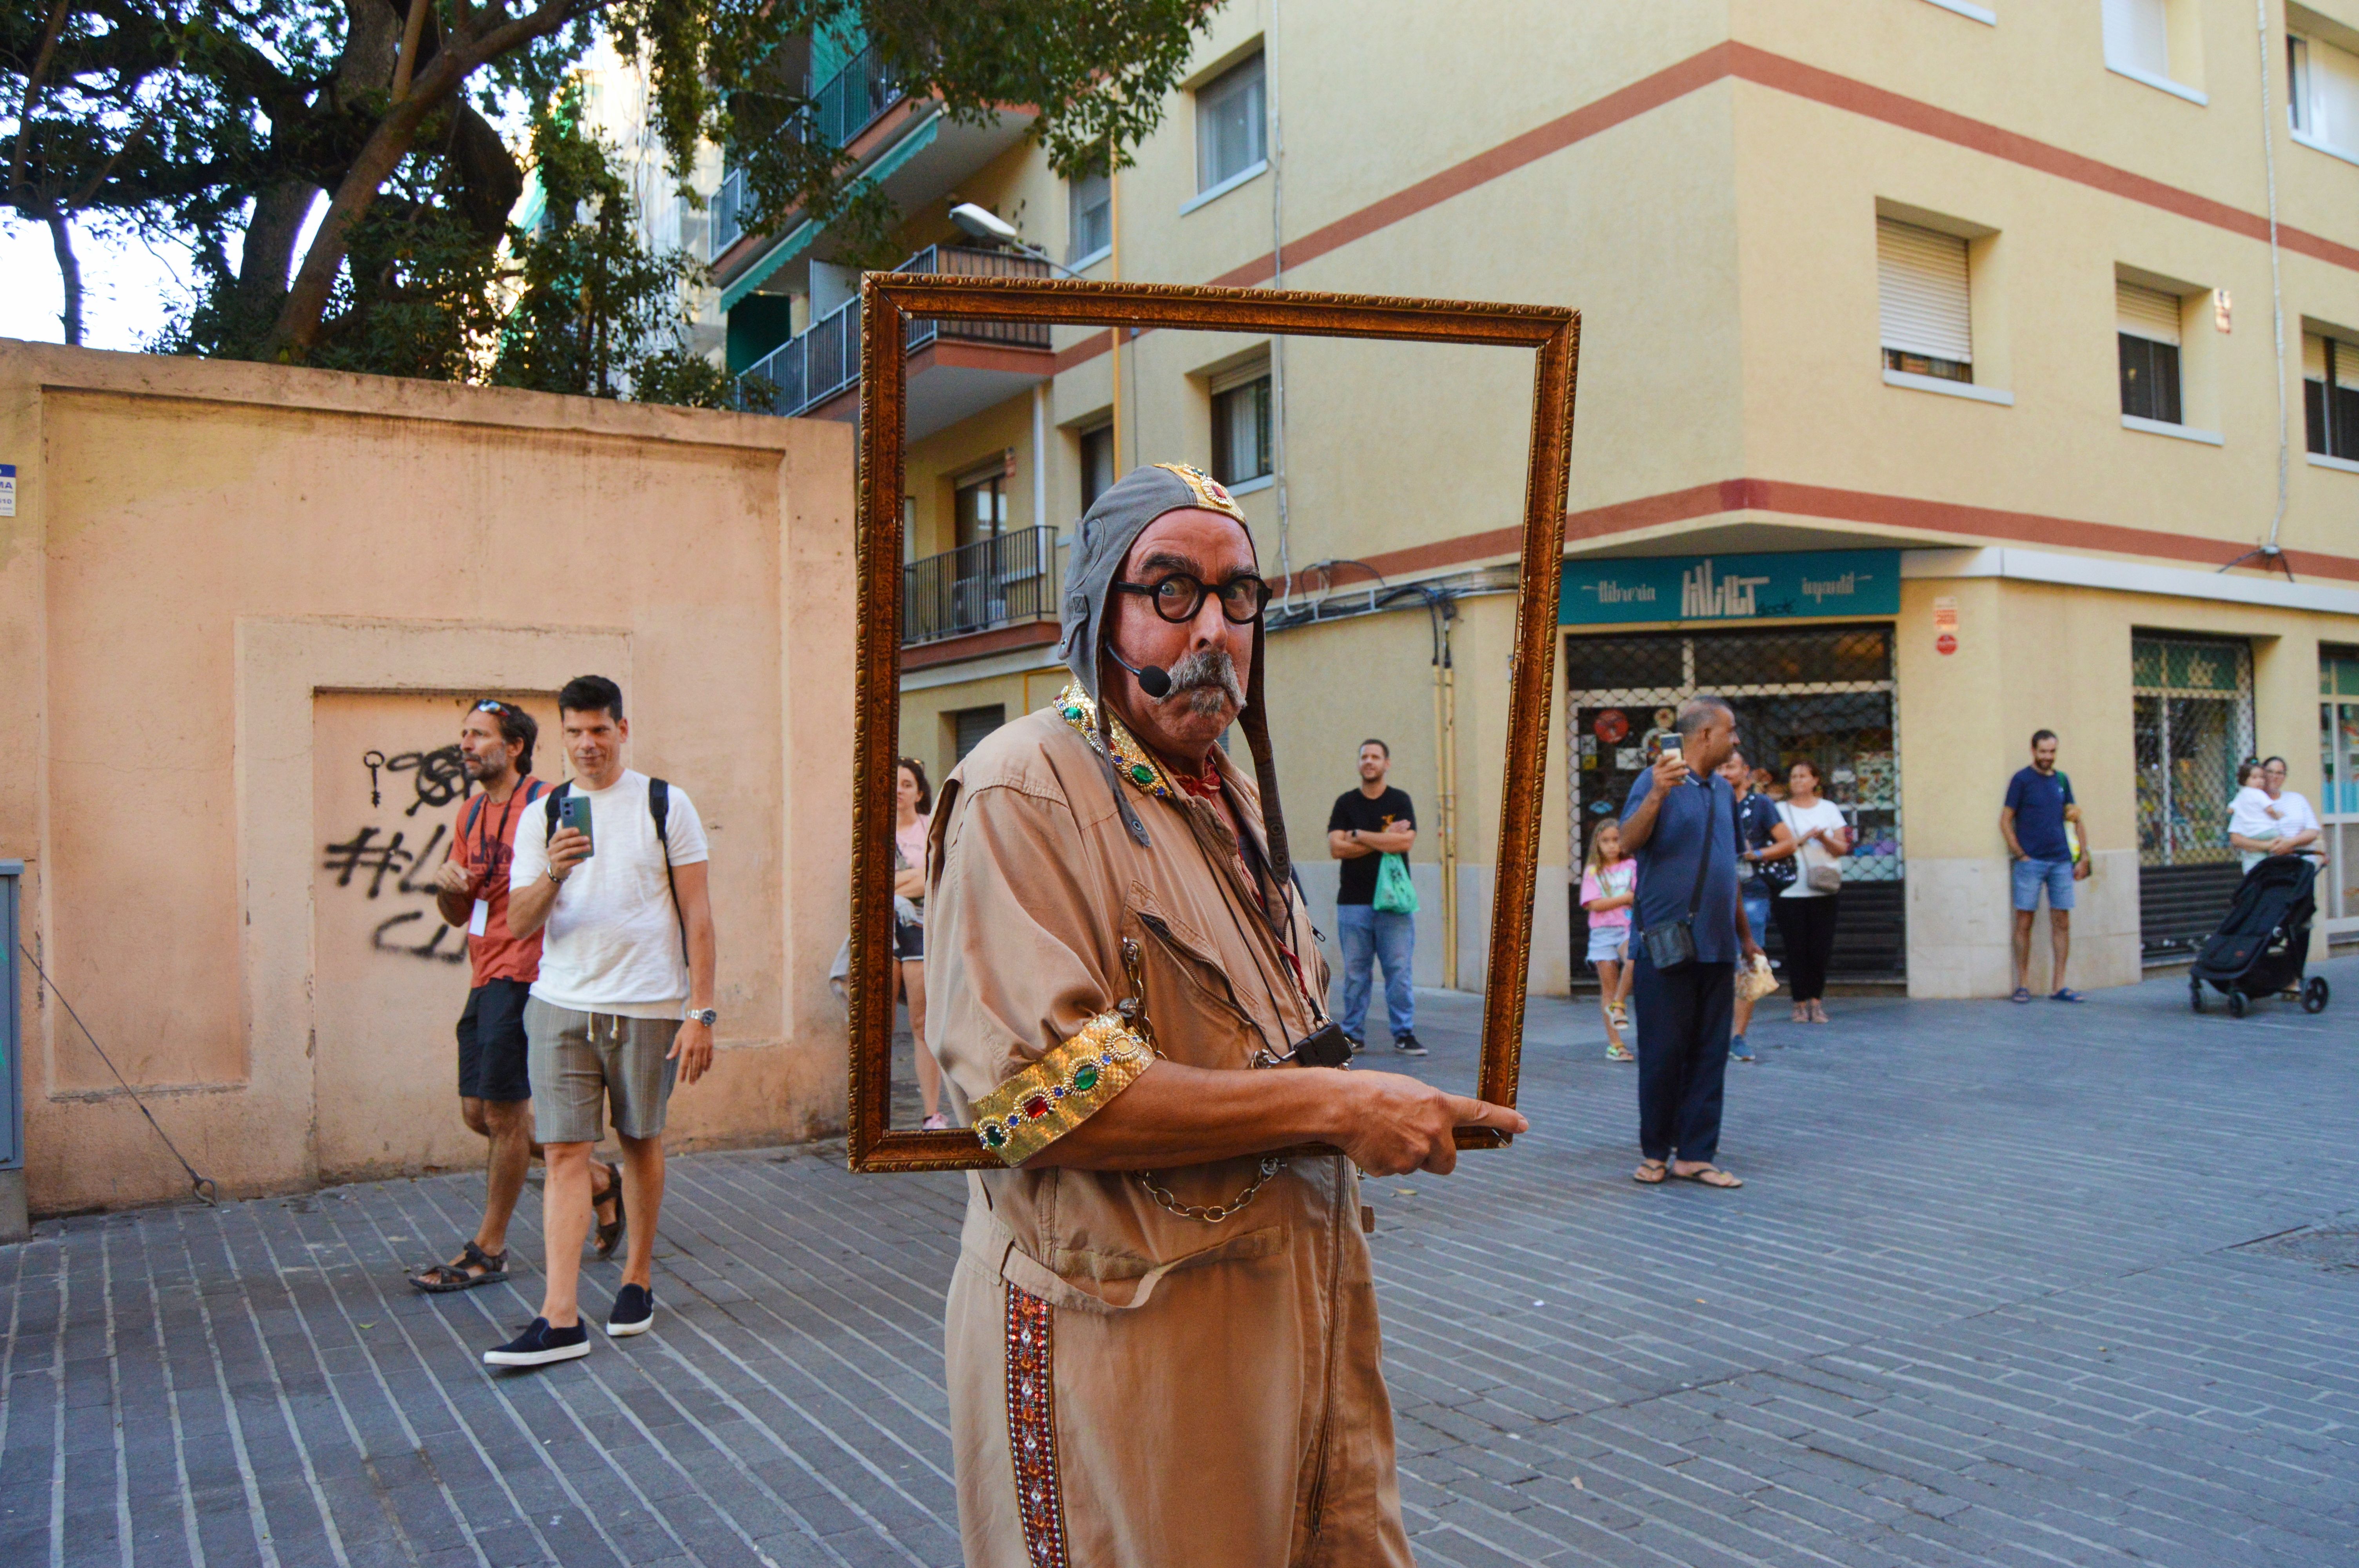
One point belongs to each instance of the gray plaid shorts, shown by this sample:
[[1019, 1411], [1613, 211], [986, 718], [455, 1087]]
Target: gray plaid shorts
[[579, 1060]]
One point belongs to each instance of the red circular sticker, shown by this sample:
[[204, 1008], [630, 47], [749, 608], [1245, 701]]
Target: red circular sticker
[[1945, 644], [1612, 725]]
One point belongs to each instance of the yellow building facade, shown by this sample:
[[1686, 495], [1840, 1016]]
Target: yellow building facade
[[1940, 367]]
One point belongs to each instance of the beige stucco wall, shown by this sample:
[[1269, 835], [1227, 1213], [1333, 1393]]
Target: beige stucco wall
[[202, 550]]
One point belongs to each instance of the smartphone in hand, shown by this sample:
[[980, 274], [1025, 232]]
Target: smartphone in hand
[[573, 811]]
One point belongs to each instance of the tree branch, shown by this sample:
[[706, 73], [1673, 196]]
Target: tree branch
[[32, 90], [70, 274], [408, 62], [296, 330]]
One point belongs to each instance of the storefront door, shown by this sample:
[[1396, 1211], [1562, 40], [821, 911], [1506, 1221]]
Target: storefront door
[[2193, 702], [2338, 803], [1823, 693]]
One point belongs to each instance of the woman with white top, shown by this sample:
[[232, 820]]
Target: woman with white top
[[2272, 819], [913, 799], [1806, 913]]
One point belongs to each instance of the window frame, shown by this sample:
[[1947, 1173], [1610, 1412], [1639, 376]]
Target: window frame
[[1210, 99], [1256, 384], [1078, 259]]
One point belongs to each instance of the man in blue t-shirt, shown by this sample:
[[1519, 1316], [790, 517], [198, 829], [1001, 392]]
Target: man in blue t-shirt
[[1680, 824], [2038, 805]]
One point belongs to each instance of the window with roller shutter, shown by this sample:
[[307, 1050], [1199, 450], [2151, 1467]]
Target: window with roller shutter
[[2330, 396], [1920, 278], [2146, 329]]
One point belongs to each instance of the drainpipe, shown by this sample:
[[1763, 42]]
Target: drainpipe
[[1277, 280], [1114, 270], [2269, 553], [1041, 454], [1445, 736]]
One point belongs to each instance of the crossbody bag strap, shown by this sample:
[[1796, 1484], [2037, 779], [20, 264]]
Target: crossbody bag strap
[[1703, 860]]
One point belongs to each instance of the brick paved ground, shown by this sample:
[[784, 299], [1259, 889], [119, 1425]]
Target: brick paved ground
[[2000, 1290]]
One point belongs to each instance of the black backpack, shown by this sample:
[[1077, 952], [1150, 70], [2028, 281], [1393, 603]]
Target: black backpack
[[658, 807]]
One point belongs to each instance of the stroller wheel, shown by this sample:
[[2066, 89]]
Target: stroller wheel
[[2313, 995], [2194, 994], [2237, 1005]]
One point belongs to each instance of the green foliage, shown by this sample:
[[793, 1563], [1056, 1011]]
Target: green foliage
[[218, 123]]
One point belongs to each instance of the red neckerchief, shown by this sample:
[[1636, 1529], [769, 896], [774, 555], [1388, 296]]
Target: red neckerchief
[[1203, 786]]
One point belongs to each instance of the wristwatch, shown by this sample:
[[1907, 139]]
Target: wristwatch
[[707, 1018]]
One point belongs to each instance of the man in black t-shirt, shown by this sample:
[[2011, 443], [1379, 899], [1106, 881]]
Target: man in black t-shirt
[[1368, 824]]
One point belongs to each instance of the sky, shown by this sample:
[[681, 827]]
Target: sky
[[128, 289]]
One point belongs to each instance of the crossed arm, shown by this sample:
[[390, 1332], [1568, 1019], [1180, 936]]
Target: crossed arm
[[1351, 843]]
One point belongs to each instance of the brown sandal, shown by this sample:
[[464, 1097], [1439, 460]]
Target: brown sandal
[[1650, 1173], [609, 1234], [474, 1267]]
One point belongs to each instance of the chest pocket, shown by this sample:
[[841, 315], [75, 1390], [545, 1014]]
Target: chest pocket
[[1192, 1000]]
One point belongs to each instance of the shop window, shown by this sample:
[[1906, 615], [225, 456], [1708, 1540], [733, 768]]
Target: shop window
[[1922, 299], [1089, 206], [2146, 331], [1231, 125], [2191, 703], [2330, 396], [1097, 464], [1241, 444], [1824, 694]]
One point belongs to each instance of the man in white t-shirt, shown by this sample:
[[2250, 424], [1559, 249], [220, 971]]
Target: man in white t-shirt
[[613, 872]]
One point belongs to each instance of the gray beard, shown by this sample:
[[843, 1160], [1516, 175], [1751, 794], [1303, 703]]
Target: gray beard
[[1204, 680]]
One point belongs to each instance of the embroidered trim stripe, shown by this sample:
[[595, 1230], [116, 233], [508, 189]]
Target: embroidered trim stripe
[[1061, 1090], [1032, 1430]]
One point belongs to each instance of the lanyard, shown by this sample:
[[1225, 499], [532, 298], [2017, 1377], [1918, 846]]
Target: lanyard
[[491, 852]]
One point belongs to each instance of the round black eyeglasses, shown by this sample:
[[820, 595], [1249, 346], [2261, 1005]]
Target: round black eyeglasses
[[1179, 597]]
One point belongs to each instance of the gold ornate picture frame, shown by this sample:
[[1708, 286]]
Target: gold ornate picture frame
[[889, 302]]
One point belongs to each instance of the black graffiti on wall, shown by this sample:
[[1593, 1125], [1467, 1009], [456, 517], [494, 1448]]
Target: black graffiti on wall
[[439, 776], [374, 860]]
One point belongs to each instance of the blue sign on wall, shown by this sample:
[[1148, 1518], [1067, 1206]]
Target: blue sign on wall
[[1731, 587]]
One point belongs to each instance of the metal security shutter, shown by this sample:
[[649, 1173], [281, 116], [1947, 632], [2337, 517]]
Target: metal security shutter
[[2313, 357], [2148, 313], [975, 725], [1920, 280]]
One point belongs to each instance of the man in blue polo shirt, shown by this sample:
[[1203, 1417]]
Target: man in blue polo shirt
[[1680, 824], [2039, 804]]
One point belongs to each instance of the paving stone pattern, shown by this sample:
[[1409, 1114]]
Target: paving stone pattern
[[2007, 1285]]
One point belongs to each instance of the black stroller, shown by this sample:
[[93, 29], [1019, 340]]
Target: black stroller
[[2261, 945]]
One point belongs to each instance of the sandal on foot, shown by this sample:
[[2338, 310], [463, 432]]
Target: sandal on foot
[[2067, 994], [1708, 1176], [610, 1235], [474, 1267], [1649, 1172], [2022, 993], [1617, 1051]]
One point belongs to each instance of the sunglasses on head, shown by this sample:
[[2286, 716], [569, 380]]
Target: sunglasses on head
[[490, 705]]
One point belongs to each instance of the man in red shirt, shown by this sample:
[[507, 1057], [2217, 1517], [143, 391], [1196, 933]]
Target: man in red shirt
[[496, 742]]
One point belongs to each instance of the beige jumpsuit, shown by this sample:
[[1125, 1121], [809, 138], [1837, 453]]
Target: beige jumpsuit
[[1130, 1387]]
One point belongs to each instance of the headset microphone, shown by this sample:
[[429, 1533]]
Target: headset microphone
[[1154, 680]]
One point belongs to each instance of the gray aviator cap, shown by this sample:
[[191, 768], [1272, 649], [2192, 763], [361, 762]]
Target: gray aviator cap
[[1100, 542]]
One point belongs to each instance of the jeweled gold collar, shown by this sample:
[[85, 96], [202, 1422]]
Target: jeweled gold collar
[[1132, 759]]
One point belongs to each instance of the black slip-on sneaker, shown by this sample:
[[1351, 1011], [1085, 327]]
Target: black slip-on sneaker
[[540, 1344], [1407, 1046], [635, 1312]]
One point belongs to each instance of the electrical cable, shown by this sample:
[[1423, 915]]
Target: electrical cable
[[202, 1186]]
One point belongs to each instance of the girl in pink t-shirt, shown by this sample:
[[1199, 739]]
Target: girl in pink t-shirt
[[1607, 881]]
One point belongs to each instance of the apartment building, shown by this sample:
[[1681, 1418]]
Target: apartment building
[[1947, 371]]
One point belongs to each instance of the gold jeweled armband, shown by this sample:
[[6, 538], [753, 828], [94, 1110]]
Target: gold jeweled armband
[[1061, 1090]]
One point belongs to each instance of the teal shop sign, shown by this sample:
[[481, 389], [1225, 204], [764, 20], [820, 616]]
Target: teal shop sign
[[1731, 587]]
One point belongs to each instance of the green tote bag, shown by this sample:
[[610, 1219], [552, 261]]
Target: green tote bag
[[1395, 892]]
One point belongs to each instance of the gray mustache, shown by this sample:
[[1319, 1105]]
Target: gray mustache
[[1204, 676]]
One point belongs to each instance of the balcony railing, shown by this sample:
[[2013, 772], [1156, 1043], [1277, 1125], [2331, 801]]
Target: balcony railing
[[993, 582], [823, 361], [845, 104], [728, 211]]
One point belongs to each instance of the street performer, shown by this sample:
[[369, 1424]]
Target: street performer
[[1162, 1344]]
